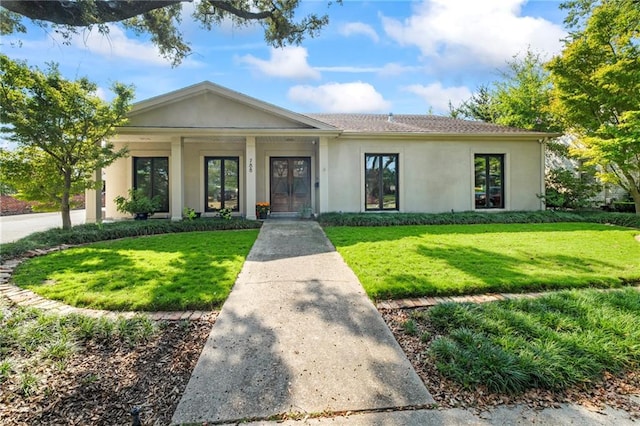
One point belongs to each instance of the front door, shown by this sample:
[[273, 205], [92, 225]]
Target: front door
[[290, 183]]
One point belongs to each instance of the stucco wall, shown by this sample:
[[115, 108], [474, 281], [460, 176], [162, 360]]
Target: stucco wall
[[434, 176], [209, 110], [119, 176]]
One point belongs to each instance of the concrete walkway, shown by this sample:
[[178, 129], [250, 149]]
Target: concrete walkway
[[297, 335]]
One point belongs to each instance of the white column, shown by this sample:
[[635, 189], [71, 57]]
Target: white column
[[250, 164], [323, 183], [176, 178], [93, 200]]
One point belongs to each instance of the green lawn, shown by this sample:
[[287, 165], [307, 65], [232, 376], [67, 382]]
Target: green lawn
[[406, 261], [553, 342], [194, 270]]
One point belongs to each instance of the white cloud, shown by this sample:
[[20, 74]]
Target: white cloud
[[287, 62], [117, 45], [349, 69], [340, 97], [459, 32], [103, 94], [359, 28], [393, 68], [438, 97]]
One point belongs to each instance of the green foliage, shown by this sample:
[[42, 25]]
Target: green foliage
[[520, 99], [60, 127], [596, 83], [225, 214], [443, 260], [566, 189], [161, 20], [137, 202], [89, 233], [462, 218], [554, 342], [409, 327]]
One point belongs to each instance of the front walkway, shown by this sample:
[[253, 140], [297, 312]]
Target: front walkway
[[297, 335]]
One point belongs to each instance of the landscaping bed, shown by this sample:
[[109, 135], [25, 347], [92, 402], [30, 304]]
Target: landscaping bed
[[584, 350], [78, 371]]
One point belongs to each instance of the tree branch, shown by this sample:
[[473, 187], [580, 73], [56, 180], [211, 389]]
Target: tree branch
[[241, 13], [80, 14]]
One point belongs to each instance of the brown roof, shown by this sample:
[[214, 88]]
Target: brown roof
[[409, 123]]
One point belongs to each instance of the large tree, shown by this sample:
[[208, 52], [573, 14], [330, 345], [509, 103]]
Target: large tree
[[160, 18], [61, 128], [520, 98], [597, 87]]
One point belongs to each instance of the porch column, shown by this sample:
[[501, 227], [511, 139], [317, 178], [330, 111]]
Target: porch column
[[250, 177], [323, 183], [93, 200], [176, 178]]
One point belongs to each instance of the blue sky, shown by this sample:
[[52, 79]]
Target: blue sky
[[374, 56]]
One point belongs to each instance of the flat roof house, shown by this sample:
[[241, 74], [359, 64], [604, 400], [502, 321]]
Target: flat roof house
[[207, 147]]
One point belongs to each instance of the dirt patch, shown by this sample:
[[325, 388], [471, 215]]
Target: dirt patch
[[615, 391], [103, 382]]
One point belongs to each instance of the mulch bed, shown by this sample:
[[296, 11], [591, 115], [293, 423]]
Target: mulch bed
[[102, 383], [614, 391]]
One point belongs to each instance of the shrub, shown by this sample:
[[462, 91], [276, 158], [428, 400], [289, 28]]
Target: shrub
[[393, 219]]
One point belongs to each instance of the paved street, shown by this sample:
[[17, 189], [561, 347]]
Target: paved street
[[13, 228]]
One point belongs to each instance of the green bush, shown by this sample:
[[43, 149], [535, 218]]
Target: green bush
[[91, 233], [393, 219], [554, 342]]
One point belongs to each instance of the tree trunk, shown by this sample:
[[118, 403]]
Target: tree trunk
[[635, 194], [65, 209]]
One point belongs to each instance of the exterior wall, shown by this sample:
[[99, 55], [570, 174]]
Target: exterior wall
[[209, 110], [434, 176], [194, 185], [265, 150], [119, 175]]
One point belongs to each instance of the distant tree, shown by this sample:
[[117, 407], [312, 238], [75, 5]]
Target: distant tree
[[160, 19], [520, 98], [61, 129], [596, 82], [480, 106]]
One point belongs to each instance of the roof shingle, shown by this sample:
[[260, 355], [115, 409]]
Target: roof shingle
[[409, 123]]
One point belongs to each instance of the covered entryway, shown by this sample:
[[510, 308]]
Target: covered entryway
[[290, 183]]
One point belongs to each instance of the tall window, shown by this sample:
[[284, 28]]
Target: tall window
[[489, 186], [151, 174], [381, 181], [222, 189]]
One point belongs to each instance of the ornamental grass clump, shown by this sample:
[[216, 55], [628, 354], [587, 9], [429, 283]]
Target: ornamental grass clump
[[554, 342]]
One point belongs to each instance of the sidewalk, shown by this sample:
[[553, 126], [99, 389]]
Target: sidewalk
[[297, 335]]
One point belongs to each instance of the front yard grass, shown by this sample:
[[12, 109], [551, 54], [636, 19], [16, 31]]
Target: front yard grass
[[194, 270], [410, 261], [554, 342]]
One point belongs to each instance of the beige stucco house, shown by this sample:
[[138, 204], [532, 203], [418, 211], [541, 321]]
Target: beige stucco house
[[207, 147]]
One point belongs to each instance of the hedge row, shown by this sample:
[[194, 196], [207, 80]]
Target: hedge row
[[391, 219], [90, 233]]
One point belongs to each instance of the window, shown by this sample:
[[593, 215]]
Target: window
[[221, 183], [381, 181], [151, 174], [489, 185]]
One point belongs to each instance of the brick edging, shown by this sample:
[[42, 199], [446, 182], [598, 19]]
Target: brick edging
[[425, 302], [23, 297]]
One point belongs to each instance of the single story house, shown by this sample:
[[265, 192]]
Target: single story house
[[208, 148]]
